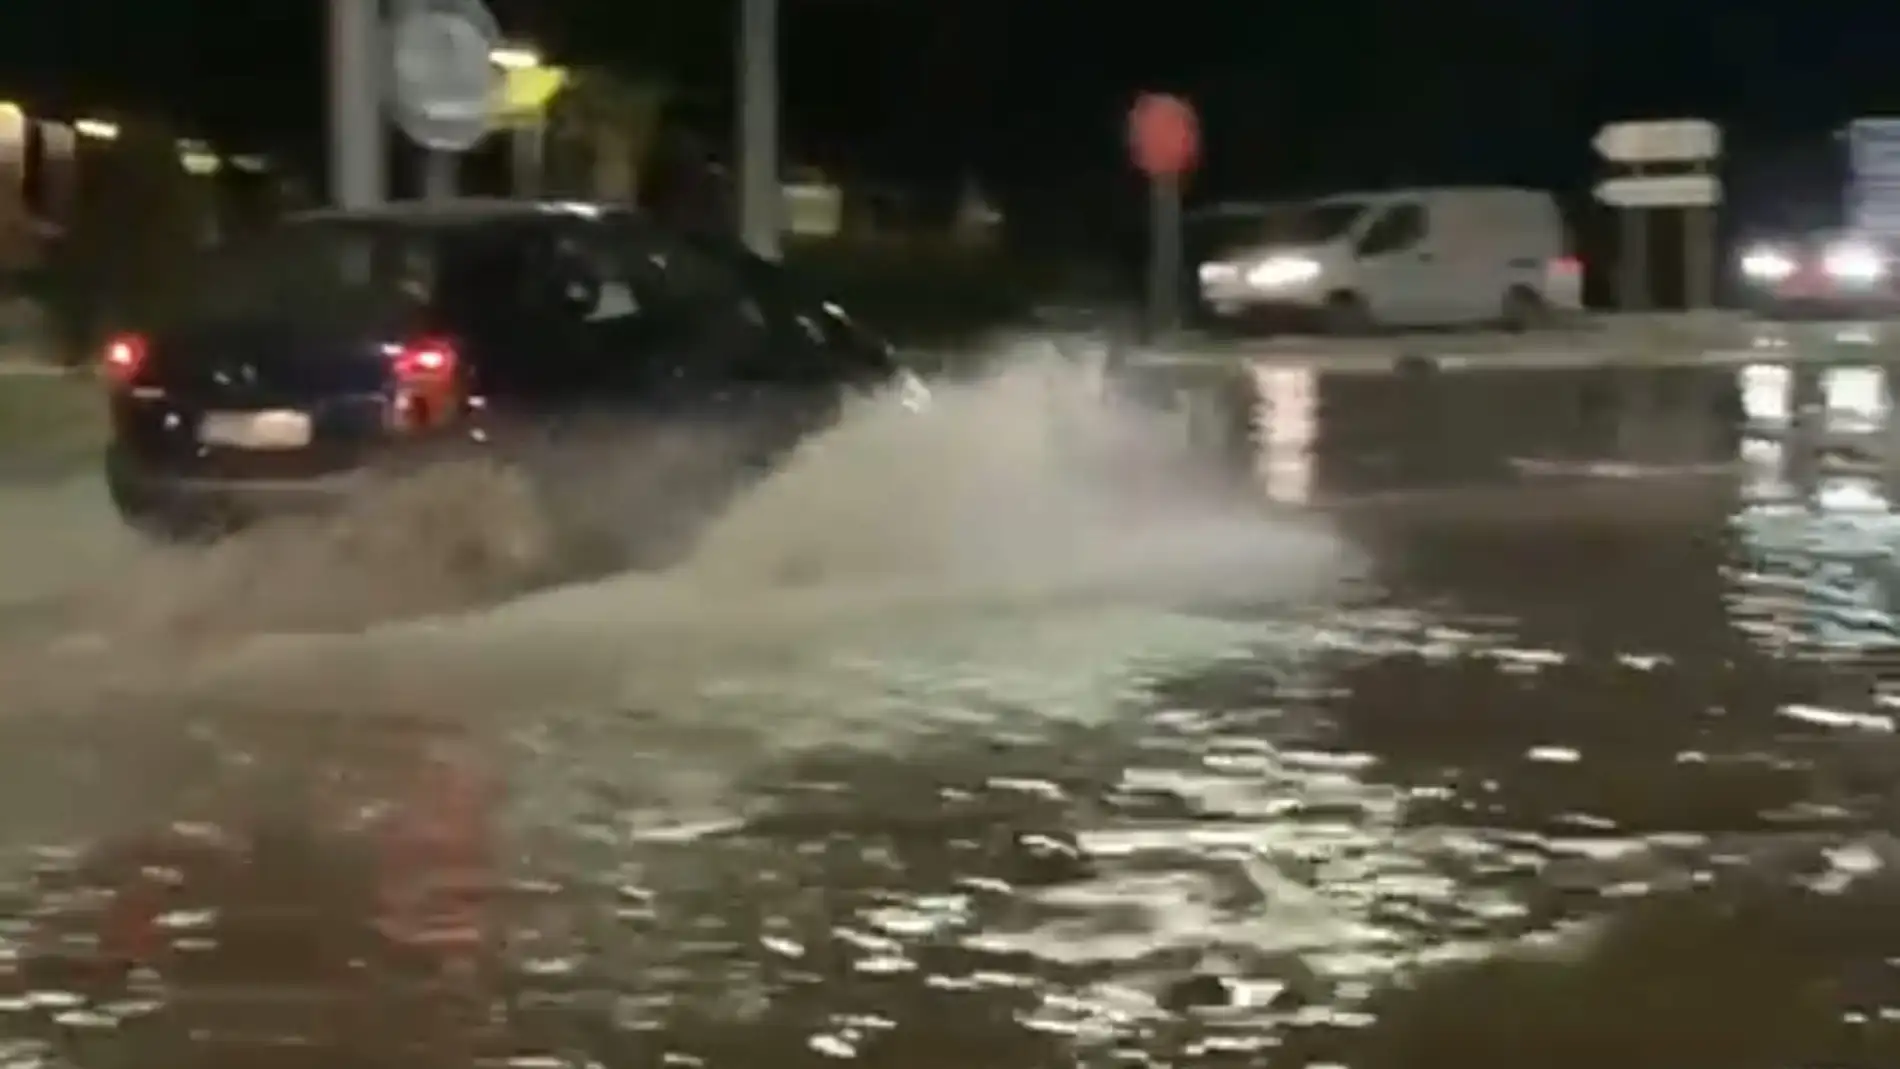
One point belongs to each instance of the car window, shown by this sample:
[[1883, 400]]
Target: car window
[[1399, 229], [316, 269], [742, 310], [817, 340], [592, 282]]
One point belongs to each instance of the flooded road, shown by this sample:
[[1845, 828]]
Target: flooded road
[[1594, 763]]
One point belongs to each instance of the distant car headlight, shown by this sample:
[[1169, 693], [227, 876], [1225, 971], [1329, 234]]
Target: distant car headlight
[[1767, 265], [1854, 261], [1277, 271]]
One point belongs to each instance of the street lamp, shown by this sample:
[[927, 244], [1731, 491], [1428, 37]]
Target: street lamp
[[97, 129], [515, 58]]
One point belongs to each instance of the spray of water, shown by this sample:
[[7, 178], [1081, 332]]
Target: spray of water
[[1017, 541]]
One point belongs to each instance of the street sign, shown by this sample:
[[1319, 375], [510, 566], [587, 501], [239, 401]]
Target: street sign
[[445, 85], [1659, 141], [1164, 135], [526, 93], [1164, 140], [1661, 191], [1873, 190]]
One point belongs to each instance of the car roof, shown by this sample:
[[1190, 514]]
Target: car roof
[[461, 211]]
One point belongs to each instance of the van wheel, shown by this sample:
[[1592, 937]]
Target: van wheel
[[1524, 309], [1346, 313]]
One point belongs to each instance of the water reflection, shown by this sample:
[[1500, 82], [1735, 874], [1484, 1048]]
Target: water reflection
[[1318, 434], [1286, 427], [1817, 529]]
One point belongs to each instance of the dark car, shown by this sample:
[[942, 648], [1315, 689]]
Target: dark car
[[344, 344], [1825, 276]]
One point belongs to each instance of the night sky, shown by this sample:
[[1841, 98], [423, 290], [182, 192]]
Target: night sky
[[1029, 95]]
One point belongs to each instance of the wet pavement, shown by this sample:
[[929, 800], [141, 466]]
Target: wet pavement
[[1596, 767]]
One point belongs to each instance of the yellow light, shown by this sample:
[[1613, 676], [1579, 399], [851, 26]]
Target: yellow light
[[97, 129], [526, 91]]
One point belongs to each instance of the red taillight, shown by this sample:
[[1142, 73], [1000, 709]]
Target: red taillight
[[1566, 265], [427, 376], [429, 360], [124, 358]]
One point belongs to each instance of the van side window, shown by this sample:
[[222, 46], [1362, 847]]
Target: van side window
[[1400, 228]]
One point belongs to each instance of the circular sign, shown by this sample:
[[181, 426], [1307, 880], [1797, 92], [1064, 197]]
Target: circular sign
[[445, 84], [1164, 135]]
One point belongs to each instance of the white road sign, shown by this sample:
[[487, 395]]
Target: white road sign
[[1873, 190], [1660, 141], [445, 83], [1661, 191]]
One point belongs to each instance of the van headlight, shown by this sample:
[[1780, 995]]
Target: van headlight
[[1854, 261], [1275, 272], [1766, 264]]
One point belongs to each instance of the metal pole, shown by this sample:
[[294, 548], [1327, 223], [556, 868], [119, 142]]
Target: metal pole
[[438, 175], [355, 90], [1164, 254], [759, 191], [1633, 278], [1698, 249], [530, 150]]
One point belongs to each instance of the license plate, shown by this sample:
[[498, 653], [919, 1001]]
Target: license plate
[[275, 429]]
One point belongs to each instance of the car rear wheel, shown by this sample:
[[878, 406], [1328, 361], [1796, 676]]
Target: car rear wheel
[[155, 514]]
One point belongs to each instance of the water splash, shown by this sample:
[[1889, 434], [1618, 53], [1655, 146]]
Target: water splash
[[1019, 543]]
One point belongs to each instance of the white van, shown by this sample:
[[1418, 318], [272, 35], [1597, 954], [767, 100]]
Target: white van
[[1353, 262]]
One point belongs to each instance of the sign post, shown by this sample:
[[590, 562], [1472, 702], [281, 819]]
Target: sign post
[[1671, 164], [1164, 139], [528, 90], [445, 82]]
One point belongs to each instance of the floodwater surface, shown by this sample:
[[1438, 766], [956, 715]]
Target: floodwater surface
[[1541, 720]]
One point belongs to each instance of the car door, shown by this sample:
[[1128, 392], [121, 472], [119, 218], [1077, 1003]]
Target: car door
[[769, 360], [515, 337], [1398, 270]]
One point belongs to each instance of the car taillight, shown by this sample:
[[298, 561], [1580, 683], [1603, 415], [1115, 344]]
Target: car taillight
[[123, 358], [1566, 265], [428, 360], [427, 374]]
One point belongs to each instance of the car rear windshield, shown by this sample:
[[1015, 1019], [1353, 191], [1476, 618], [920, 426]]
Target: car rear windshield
[[315, 269]]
